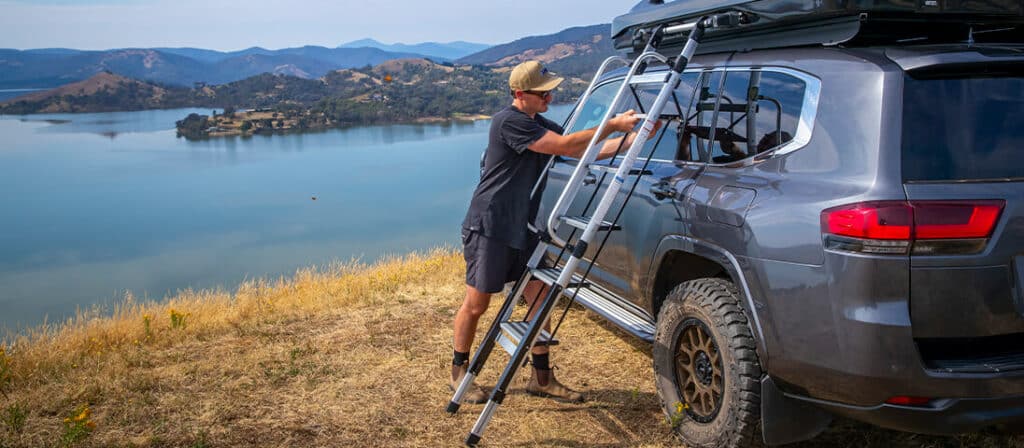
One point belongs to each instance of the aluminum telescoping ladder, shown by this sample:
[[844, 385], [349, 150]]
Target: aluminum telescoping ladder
[[517, 337]]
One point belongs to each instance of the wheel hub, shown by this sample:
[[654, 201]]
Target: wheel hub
[[699, 371], [704, 368]]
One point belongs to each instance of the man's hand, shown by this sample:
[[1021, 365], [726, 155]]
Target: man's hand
[[624, 122], [657, 126]]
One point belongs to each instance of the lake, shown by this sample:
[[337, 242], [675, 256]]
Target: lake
[[6, 94], [97, 205]]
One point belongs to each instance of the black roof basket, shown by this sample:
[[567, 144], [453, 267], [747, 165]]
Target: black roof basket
[[788, 23]]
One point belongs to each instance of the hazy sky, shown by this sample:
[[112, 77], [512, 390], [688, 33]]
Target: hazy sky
[[234, 25]]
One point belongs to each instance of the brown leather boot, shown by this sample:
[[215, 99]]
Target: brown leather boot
[[473, 395], [551, 388]]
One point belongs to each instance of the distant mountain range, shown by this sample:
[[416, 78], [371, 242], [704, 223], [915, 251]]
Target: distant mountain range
[[571, 51], [132, 79], [443, 51], [178, 66]]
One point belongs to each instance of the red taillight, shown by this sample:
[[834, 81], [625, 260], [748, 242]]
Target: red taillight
[[946, 220], [909, 401], [872, 220], [889, 227]]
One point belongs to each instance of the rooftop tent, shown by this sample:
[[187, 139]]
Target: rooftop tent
[[787, 23]]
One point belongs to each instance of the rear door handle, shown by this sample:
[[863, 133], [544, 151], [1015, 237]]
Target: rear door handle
[[663, 190]]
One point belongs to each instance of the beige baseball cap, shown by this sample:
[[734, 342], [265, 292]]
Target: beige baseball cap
[[531, 75]]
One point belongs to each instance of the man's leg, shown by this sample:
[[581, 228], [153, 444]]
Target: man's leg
[[466, 319], [535, 292], [543, 382], [473, 306]]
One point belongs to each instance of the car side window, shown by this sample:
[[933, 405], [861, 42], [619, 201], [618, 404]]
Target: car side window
[[780, 101], [680, 106], [590, 114], [698, 130], [746, 112], [666, 144]]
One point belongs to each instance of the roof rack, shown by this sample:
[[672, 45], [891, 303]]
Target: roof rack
[[788, 23]]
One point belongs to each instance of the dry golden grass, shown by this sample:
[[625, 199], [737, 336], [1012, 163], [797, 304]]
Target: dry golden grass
[[346, 356]]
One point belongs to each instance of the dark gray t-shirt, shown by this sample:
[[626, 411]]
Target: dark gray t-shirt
[[501, 205]]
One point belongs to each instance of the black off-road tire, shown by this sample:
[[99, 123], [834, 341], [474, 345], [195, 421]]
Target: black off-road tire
[[707, 372]]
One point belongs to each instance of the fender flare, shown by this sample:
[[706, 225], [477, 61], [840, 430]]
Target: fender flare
[[723, 258]]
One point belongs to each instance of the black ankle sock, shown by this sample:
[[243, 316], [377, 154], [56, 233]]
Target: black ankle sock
[[540, 362], [460, 358]]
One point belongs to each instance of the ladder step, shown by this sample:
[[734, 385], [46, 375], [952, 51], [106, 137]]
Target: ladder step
[[627, 316], [581, 222], [549, 276], [513, 332]]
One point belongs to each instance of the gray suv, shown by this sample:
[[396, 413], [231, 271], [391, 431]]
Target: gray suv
[[831, 227]]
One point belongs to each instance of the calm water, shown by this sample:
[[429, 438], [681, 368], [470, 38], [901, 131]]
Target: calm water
[[96, 205], [6, 94]]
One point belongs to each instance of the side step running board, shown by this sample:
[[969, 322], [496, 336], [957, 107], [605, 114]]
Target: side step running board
[[626, 316]]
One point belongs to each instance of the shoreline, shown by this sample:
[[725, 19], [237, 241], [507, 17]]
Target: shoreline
[[269, 122]]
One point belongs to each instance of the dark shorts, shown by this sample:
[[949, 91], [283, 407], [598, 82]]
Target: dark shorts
[[491, 263]]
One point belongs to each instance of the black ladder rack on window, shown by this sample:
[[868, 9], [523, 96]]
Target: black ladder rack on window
[[519, 337]]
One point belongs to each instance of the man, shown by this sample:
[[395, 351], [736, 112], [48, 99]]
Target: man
[[496, 242]]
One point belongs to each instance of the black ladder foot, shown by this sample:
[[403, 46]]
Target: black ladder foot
[[452, 408], [472, 440]]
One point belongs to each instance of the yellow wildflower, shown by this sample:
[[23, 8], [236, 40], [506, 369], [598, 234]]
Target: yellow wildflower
[[680, 407]]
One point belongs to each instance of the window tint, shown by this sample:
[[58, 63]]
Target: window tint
[[963, 129], [745, 113]]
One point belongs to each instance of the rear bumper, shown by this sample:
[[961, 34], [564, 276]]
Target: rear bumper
[[944, 417], [847, 342]]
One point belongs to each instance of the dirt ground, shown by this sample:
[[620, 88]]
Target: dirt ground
[[350, 357]]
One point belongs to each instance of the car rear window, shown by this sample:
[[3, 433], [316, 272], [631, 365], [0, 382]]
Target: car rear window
[[963, 127]]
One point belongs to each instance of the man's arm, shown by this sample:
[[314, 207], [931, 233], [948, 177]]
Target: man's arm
[[573, 145], [616, 145]]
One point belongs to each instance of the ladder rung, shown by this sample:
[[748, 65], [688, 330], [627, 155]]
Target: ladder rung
[[613, 169], [550, 275], [513, 332], [704, 107], [581, 222], [649, 78], [546, 275], [660, 117]]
